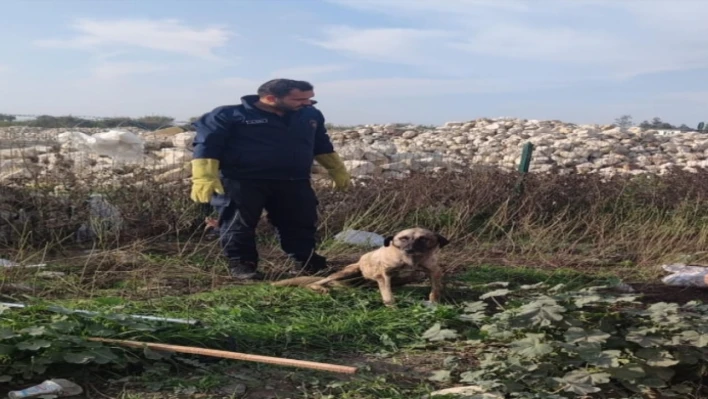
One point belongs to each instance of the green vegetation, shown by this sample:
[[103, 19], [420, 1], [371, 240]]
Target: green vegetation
[[498, 326]]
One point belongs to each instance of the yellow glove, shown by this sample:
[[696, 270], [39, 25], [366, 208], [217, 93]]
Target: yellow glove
[[205, 180], [337, 171]]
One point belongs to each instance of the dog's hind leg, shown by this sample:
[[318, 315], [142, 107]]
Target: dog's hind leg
[[345, 272]]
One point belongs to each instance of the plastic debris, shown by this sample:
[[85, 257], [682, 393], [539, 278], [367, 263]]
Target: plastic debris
[[358, 237], [104, 217], [89, 313], [472, 391], [53, 387], [9, 263], [119, 145], [684, 275]]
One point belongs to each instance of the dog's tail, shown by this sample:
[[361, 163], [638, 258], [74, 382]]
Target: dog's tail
[[300, 281]]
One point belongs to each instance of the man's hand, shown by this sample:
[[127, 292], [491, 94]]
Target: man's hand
[[205, 180], [337, 171]]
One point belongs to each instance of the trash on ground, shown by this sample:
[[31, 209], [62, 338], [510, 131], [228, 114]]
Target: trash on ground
[[53, 387], [119, 145], [358, 237], [104, 217], [48, 274], [9, 263], [683, 275], [89, 313], [467, 392], [622, 287]]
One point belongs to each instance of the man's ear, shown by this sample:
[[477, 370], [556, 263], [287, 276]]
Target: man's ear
[[442, 241], [388, 240]]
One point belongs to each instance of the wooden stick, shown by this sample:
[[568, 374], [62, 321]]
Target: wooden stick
[[232, 355]]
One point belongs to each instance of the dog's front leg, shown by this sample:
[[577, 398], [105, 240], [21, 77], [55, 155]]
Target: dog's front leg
[[384, 282], [436, 285]]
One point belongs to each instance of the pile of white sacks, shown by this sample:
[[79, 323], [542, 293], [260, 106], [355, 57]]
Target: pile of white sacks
[[375, 150]]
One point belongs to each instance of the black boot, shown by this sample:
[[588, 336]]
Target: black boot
[[312, 265], [244, 270]]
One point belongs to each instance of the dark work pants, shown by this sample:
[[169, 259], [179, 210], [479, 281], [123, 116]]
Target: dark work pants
[[292, 209]]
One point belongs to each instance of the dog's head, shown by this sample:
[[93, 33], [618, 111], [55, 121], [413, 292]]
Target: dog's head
[[416, 241]]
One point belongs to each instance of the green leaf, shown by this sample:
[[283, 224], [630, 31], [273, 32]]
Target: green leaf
[[77, 358], [687, 357], [604, 359], [587, 300], [692, 337], [628, 372], [542, 312], [437, 333], [474, 307], [155, 355], [556, 288], [5, 378], [34, 331], [662, 308], [643, 337], [526, 287], [478, 317], [440, 376], [495, 293], [472, 377], [656, 357], [576, 335], [6, 350], [6, 333], [33, 345], [64, 326], [495, 331], [653, 382], [581, 382], [531, 347], [664, 373]]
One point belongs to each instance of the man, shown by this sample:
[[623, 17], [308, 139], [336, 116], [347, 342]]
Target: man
[[257, 155]]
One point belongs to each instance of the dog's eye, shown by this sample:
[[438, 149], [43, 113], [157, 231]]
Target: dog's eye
[[403, 238]]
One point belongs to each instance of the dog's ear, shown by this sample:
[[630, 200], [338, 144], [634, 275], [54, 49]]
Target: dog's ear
[[442, 241], [387, 241]]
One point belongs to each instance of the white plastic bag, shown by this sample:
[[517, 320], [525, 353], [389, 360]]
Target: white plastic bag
[[9, 263], [120, 145], [358, 237], [104, 218], [683, 275]]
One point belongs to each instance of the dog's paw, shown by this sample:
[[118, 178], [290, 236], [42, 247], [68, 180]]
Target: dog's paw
[[318, 288], [430, 304], [390, 305]]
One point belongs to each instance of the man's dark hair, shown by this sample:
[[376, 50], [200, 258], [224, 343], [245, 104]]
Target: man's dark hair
[[282, 87]]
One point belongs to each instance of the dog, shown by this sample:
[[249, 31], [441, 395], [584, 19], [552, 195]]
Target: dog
[[415, 248]]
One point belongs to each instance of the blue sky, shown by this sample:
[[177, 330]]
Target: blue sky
[[371, 61]]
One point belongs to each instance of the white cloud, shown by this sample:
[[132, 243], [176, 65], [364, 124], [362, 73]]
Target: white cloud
[[450, 7], [381, 44], [657, 36], [167, 35], [550, 44], [400, 87], [308, 71], [115, 70]]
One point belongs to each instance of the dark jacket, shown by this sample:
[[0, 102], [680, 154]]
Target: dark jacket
[[253, 144]]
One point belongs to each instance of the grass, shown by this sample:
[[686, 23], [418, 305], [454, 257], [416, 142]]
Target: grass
[[575, 230]]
